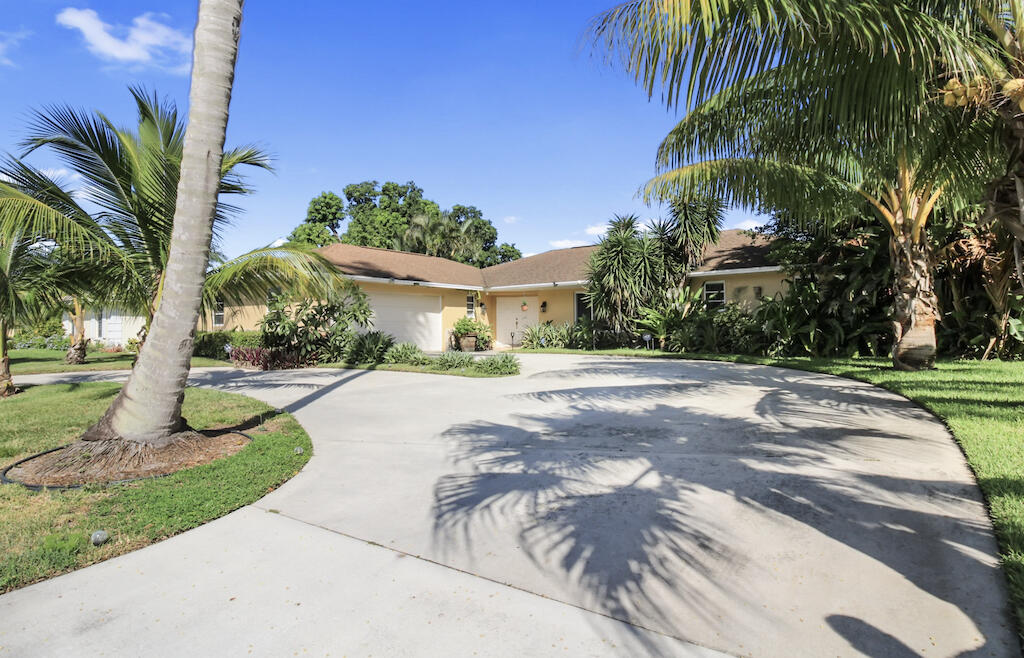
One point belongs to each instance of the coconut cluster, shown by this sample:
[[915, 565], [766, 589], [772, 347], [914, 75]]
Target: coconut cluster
[[1014, 90], [980, 90], [958, 94]]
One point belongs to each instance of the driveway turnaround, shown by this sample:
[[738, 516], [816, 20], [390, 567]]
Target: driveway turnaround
[[590, 506]]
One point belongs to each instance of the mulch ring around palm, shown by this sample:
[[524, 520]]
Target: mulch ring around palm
[[93, 462]]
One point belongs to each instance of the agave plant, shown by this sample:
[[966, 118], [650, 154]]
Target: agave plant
[[125, 210]]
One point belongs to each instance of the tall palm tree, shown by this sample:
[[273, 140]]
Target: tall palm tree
[[30, 280], [866, 67], [132, 178], [941, 162], [148, 408]]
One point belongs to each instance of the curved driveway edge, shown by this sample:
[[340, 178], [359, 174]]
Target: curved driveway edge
[[631, 506]]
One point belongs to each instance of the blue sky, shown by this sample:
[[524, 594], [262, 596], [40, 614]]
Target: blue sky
[[498, 105]]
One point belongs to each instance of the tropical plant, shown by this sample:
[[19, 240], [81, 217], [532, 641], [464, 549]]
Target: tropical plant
[[370, 347], [29, 281], [857, 76], [466, 325], [315, 331], [408, 353], [498, 364], [147, 410], [453, 360]]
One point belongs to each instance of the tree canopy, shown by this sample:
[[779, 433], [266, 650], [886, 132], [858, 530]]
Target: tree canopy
[[398, 216]]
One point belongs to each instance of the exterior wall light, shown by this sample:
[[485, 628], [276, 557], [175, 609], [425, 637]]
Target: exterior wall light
[[543, 307]]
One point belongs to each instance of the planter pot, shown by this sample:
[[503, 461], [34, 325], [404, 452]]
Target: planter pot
[[468, 343], [524, 307]]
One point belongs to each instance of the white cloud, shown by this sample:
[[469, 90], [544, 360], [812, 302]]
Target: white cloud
[[148, 42], [279, 242], [565, 244], [511, 219], [596, 229], [748, 224], [528, 254], [9, 41]]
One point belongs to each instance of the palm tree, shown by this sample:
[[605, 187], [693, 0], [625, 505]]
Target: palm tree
[[132, 178], [148, 409], [941, 163], [865, 68], [830, 78], [30, 280]]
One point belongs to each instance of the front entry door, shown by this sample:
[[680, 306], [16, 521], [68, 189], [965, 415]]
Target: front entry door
[[513, 320]]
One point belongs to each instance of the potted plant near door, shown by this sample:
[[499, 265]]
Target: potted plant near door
[[524, 306], [471, 335]]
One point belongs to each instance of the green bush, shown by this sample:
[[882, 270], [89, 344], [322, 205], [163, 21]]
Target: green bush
[[726, 330], [370, 347], [211, 344], [499, 364], [215, 344], [407, 353], [45, 335], [467, 325], [315, 331], [453, 360]]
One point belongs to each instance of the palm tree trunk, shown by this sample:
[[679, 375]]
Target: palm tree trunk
[[148, 408], [7, 387], [76, 352], [915, 307]]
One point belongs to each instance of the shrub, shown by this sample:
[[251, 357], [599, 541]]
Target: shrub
[[407, 353], [211, 344], [264, 358], [467, 325], [316, 331], [369, 347], [499, 364], [133, 345], [216, 344], [453, 360], [46, 335], [727, 330]]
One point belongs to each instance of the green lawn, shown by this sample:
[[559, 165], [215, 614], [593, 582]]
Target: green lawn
[[43, 534], [28, 362], [982, 403]]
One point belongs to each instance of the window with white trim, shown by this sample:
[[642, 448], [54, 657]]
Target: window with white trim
[[714, 294], [218, 313], [471, 305]]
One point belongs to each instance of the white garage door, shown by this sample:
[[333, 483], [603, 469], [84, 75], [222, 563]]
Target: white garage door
[[409, 318]]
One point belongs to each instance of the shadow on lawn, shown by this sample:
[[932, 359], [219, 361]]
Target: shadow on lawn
[[629, 499]]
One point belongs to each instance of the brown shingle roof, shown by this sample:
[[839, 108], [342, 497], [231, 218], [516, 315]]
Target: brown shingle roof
[[401, 265], [549, 267], [736, 249]]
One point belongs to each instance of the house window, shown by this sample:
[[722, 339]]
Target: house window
[[99, 324], [758, 292], [218, 314], [714, 294], [583, 309], [470, 306]]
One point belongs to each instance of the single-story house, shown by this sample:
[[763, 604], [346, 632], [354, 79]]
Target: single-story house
[[418, 298]]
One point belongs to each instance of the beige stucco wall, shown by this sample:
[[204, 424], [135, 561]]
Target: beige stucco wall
[[739, 288], [560, 304], [453, 307]]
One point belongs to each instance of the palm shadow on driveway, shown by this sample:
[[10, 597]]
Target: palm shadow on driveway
[[639, 503]]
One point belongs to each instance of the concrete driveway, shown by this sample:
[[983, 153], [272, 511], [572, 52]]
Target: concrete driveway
[[591, 506]]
